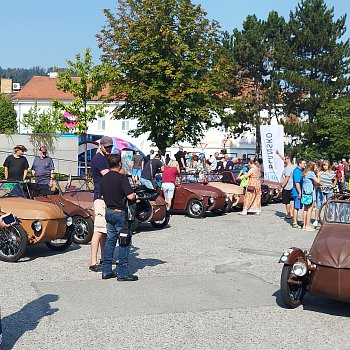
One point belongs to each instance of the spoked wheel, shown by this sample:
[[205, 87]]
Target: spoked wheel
[[195, 208], [83, 229], [161, 223], [293, 287], [13, 243], [61, 244]]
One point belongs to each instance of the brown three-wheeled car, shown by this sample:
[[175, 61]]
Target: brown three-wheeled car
[[325, 269]]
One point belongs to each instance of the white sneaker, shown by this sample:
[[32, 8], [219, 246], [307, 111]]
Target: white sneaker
[[316, 223]]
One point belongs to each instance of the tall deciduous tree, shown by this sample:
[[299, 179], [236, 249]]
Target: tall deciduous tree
[[254, 49], [316, 63], [168, 64], [85, 81], [8, 116]]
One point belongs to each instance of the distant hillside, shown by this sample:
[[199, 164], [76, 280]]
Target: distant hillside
[[23, 75]]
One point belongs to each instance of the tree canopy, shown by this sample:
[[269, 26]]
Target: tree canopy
[[169, 66], [8, 116]]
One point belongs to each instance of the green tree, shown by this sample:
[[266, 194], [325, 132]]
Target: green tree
[[254, 50], [169, 66], [315, 62], [333, 118], [8, 116], [44, 122], [85, 81]]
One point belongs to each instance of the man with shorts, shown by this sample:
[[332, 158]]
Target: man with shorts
[[287, 184], [137, 165], [99, 167], [296, 190]]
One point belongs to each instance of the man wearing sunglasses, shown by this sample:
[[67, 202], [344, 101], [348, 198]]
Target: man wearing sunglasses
[[99, 167]]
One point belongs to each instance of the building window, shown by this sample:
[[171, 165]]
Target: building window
[[101, 124], [125, 125]]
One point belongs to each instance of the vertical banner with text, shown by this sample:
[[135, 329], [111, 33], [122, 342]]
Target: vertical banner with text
[[272, 139]]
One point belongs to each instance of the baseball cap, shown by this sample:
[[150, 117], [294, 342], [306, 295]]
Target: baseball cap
[[106, 141]]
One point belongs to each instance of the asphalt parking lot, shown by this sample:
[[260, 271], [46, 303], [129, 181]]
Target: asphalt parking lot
[[204, 284]]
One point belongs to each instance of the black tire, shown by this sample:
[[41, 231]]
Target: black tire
[[162, 223], [195, 208], [13, 243], [228, 206], [61, 244], [218, 212], [83, 229], [265, 199], [292, 294]]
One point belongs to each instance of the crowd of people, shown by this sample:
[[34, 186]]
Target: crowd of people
[[307, 185], [310, 185]]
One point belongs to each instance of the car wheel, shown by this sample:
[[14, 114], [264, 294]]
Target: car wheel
[[83, 229], [218, 212], [61, 244], [13, 243], [195, 208], [292, 287], [228, 206], [265, 198], [161, 223]]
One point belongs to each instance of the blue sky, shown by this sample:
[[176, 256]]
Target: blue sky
[[48, 33]]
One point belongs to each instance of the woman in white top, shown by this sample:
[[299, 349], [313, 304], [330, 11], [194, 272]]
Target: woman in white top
[[323, 193]]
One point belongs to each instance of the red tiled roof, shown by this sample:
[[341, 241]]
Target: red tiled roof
[[44, 88]]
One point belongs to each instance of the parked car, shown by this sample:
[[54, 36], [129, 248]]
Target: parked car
[[325, 269], [236, 192], [196, 198], [151, 208], [37, 222], [82, 218], [275, 190]]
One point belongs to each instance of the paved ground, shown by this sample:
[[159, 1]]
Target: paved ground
[[211, 283]]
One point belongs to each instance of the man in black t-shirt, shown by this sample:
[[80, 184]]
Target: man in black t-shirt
[[115, 189], [149, 171], [180, 158], [16, 165]]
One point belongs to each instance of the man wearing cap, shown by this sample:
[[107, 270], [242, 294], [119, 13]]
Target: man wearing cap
[[99, 167], [43, 168], [16, 165]]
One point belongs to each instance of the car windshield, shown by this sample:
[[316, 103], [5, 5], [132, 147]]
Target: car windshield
[[75, 185], [338, 212], [188, 178], [11, 189]]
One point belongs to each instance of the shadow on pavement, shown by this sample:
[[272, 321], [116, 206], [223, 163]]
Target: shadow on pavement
[[138, 263], [318, 304], [41, 250], [26, 319]]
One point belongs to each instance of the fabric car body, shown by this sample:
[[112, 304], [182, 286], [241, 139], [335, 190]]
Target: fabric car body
[[37, 223], [327, 264], [82, 218], [205, 197]]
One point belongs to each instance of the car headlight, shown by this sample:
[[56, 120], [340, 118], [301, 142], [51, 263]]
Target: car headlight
[[69, 221], [284, 257], [210, 200], [299, 269], [227, 199], [37, 226]]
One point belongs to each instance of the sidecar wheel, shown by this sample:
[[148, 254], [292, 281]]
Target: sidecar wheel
[[292, 287], [161, 223]]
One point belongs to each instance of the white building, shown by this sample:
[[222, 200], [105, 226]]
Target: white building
[[43, 90]]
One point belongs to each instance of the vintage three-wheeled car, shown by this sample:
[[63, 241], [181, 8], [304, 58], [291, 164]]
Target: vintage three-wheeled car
[[325, 269], [82, 218], [37, 222], [230, 185], [151, 208], [194, 196]]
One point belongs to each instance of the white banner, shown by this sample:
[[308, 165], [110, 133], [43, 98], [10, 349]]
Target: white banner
[[272, 139]]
